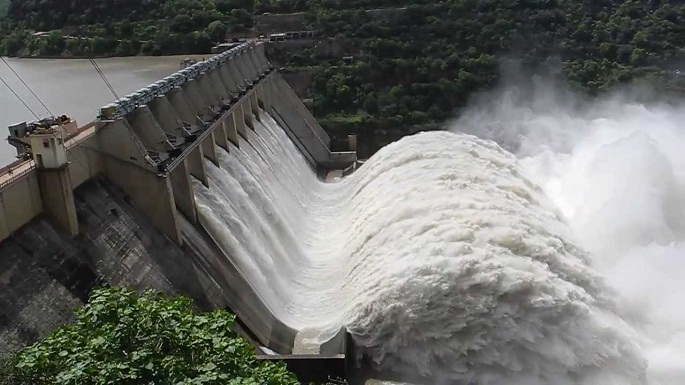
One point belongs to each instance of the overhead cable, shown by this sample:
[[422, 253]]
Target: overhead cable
[[27, 86], [20, 99]]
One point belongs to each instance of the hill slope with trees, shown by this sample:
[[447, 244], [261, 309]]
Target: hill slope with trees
[[417, 66], [424, 62]]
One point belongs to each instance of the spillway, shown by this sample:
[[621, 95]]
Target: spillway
[[439, 255]]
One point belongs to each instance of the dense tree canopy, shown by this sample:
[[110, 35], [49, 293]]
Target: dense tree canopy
[[121, 27], [419, 64], [415, 61], [122, 338]]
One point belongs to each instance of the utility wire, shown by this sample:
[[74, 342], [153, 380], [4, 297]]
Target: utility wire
[[20, 99], [27, 86], [63, 142], [104, 78]]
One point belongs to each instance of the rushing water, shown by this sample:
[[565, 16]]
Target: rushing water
[[615, 168], [71, 87], [440, 255]]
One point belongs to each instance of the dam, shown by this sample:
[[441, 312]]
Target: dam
[[116, 202], [439, 260]]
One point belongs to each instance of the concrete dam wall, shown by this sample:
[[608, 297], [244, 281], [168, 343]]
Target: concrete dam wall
[[45, 273], [114, 204]]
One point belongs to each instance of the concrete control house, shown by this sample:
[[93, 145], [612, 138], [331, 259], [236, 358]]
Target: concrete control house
[[112, 203]]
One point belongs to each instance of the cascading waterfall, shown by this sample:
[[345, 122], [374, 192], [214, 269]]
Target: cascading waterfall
[[439, 255]]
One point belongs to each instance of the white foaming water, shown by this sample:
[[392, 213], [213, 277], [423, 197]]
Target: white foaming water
[[616, 170], [439, 255]]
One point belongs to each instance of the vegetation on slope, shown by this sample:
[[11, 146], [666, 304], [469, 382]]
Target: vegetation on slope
[[121, 28], [421, 64], [413, 65], [122, 338]]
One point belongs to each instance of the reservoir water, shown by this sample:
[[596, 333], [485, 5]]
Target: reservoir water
[[71, 87]]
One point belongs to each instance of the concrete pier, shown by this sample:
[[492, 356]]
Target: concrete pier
[[200, 106], [209, 149], [239, 79], [152, 194], [182, 106], [183, 191], [207, 91], [218, 84], [231, 130], [57, 195], [166, 116], [239, 121], [220, 137], [145, 126], [196, 165], [228, 80]]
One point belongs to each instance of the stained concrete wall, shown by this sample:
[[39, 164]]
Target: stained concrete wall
[[44, 274], [152, 193], [85, 162], [20, 202], [117, 140], [57, 195], [147, 129]]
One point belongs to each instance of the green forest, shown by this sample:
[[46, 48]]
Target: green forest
[[414, 68], [423, 63]]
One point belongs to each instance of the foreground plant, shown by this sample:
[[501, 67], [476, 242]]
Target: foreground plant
[[122, 338]]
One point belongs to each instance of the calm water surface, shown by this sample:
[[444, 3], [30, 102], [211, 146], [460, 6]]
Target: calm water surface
[[71, 87]]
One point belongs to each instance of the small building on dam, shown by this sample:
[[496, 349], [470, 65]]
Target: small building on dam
[[112, 202]]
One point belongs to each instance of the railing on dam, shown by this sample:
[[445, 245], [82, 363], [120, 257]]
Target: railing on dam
[[15, 176], [145, 95]]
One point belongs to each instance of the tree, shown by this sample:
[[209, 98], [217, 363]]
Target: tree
[[13, 43], [182, 23], [126, 28], [242, 17], [98, 46], [202, 42], [370, 104], [224, 6], [217, 31], [147, 48], [73, 47], [122, 338], [638, 56], [54, 44], [125, 48]]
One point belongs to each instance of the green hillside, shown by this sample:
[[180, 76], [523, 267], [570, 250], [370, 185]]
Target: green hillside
[[413, 62]]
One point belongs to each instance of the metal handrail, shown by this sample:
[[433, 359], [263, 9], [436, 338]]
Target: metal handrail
[[5, 169], [18, 176]]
